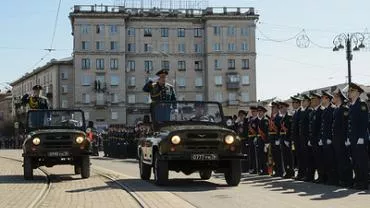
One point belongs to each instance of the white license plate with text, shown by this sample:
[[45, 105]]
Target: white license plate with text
[[58, 154], [204, 157]]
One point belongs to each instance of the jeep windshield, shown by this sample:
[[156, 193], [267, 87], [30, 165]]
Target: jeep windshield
[[55, 119], [187, 112]]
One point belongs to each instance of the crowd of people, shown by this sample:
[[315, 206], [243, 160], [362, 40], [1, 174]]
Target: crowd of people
[[325, 136]]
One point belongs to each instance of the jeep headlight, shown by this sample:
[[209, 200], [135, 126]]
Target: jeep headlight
[[175, 139], [229, 139], [79, 139], [36, 141]]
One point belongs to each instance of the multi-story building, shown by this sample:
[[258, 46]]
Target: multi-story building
[[56, 78], [211, 56], [5, 108]]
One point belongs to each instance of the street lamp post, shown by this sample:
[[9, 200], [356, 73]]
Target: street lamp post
[[347, 40]]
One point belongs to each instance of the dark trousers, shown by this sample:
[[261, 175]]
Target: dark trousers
[[360, 163], [252, 154], [302, 158], [288, 158], [276, 155], [318, 154], [311, 164], [262, 156], [343, 161], [330, 164], [245, 150]]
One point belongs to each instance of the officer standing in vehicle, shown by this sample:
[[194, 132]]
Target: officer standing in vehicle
[[358, 136], [36, 101], [340, 133], [161, 91]]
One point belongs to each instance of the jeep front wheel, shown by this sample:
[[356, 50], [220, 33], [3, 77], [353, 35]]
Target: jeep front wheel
[[85, 166], [27, 168], [233, 175], [205, 174], [160, 170], [145, 169]]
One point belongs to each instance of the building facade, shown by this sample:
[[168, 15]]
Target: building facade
[[210, 56], [5, 108]]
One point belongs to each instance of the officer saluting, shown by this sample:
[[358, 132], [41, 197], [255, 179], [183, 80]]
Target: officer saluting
[[35, 101], [358, 136]]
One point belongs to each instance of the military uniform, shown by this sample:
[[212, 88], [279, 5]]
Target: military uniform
[[262, 142], [286, 143], [252, 142], [36, 102], [295, 132], [274, 137], [358, 139]]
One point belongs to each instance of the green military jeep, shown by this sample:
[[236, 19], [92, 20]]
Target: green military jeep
[[189, 136], [55, 137]]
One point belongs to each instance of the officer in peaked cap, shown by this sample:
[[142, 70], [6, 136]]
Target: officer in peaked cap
[[315, 94], [327, 94], [262, 140], [37, 87], [294, 131], [35, 101], [162, 71], [296, 99], [261, 108], [339, 93], [358, 136]]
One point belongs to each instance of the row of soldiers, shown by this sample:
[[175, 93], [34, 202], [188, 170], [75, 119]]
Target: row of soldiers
[[323, 135]]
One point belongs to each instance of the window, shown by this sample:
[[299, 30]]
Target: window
[[131, 31], [165, 47], [217, 64], [181, 82], [231, 63], [85, 29], [100, 99], [131, 98], [198, 97], [113, 45], [85, 80], [244, 31], [181, 32], [218, 97], [230, 31], [218, 80], [87, 115], [131, 81], [99, 45], [164, 32], [198, 82], [245, 63], [64, 89], [85, 45], [100, 64], [113, 63], [165, 65], [85, 98], [245, 96], [85, 63], [197, 32], [114, 115], [147, 47], [64, 76], [216, 47], [244, 46], [198, 65], [114, 98], [147, 32], [234, 78], [99, 29], [131, 47], [181, 65], [232, 96], [113, 29], [114, 80], [148, 66], [100, 79], [64, 103], [245, 80], [131, 65], [197, 48], [217, 30], [231, 47], [181, 48]]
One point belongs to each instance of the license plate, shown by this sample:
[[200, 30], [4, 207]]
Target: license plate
[[204, 157], [58, 154]]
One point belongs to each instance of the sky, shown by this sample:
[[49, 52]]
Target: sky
[[284, 67]]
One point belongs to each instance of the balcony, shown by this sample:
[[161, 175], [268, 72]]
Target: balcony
[[232, 85]]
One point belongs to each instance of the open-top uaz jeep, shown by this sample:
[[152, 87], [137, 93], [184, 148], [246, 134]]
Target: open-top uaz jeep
[[189, 136], [56, 137]]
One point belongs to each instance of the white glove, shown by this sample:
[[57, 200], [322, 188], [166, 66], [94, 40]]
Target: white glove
[[309, 143], [328, 141], [286, 143], [360, 141], [277, 142], [255, 140], [347, 143], [265, 148], [320, 143]]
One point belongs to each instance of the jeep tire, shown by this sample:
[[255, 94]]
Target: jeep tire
[[233, 175], [160, 170], [205, 174], [27, 168], [85, 166], [145, 169]]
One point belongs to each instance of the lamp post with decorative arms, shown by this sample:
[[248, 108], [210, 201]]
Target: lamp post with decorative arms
[[348, 40]]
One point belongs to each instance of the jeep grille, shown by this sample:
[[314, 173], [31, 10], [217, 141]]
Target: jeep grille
[[58, 142], [202, 135], [191, 144]]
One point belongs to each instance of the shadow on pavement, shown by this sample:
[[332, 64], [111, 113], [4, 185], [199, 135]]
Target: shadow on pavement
[[18, 179]]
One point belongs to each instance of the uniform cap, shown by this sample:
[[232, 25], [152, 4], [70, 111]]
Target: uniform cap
[[274, 103], [37, 87], [253, 107], [283, 104], [260, 107], [315, 94], [296, 99], [327, 94], [162, 71], [356, 87], [242, 112], [340, 93], [306, 97]]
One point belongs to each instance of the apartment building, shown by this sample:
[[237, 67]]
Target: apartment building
[[5, 108], [57, 79], [210, 55]]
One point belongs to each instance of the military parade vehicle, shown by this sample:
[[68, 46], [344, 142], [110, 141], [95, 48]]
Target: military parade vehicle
[[56, 137], [189, 136]]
